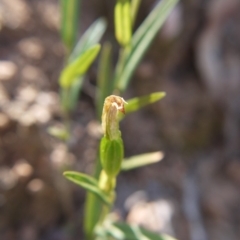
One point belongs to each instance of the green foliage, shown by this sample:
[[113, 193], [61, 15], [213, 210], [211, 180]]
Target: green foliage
[[104, 80], [79, 66], [70, 99], [141, 40], [111, 154], [91, 37], [60, 133], [101, 187], [123, 22], [70, 11], [141, 160], [137, 103], [88, 183], [71, 78], [93, 207], [123, 231], [69, 95]]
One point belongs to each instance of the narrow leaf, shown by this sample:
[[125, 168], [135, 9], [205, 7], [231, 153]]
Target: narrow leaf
[[154, 20], [87, 182], [69, 96], [142, 39], [123, 231], [93, 206], [91, 37], [102, 238], [123, 25], [70, 11], [141, 160], [64, 94], [104, 81], [100, 232], [135, 104], [74, 93], [79, 66], [59, 132], [92, 213]]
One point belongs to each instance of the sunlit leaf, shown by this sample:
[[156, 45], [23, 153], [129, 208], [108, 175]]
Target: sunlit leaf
[[74, 93], [58, 132], [141, 160], [123, 24], [104, 80], [91, 37], [70, 11], [92, 213], [87, 182], [141, 40], [135, 104], [101, 233], [79, 66], [123, 231], [93, 206], [69, 96]]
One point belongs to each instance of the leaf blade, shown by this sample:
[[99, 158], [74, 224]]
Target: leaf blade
[[90, 37], [123, 231], [141, 160], [88, 183], [92, 206], [74, 93], [135, 104], [104, 80], [122, 19], [79, 66], [58, 132], [70, 11], [141, 40]]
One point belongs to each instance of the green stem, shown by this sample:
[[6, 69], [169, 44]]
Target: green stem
[[109, 187], [105, 211], [123, 53], [120, 65], [93, 207]]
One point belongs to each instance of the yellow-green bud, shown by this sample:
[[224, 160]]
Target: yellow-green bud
[[111, 155], [111, 147]]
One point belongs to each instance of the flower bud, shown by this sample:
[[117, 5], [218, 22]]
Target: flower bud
[[111, 155], [110, 124]]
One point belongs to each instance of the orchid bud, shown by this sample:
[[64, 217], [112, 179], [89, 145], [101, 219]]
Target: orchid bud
[[111, 155], [112, 105], [111, 147]]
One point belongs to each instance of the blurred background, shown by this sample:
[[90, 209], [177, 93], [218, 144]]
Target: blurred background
[[193, 193]]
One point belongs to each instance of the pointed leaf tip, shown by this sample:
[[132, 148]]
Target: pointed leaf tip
[[141, 160], [79, 66], [135, 104], [88, 183]]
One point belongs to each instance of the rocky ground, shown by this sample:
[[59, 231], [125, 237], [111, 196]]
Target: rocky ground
[[192, 194]]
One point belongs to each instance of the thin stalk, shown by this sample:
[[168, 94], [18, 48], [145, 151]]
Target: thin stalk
[[104, 79], [123, 53], [93, 207], [105, 211]]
